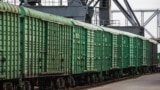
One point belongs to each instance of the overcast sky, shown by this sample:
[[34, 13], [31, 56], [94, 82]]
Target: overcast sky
[[141, 4]]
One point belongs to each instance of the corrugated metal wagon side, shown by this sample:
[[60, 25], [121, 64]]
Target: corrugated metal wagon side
[[135, 54], [9, 41], [125, 57], [59, 43], [47, 44], [79, 48], [107, 49], [154, 59], [113, 53], [158, 58], [98, 50], [46, 48], [33, 39], [126, 50], [140, 51]]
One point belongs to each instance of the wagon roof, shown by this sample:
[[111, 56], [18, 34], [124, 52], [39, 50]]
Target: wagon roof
[[86, 25], [46, 17], [6, 7]]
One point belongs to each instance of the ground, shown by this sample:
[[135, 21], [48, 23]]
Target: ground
[[146, 82]]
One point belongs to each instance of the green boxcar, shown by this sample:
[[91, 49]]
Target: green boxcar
[[153, 56], [47, 44], [98, 50], [111, 53], [140, 51], [154, 60], [59, 45], [158, 58], [79, 50], [146, 53], [84, 48], [124, 52], [59, 54], [155, 53], [34, 45], [134, 53], [107, 49], [9, 41]]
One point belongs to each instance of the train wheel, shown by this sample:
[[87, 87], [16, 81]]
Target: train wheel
[[144, 71], [60, 83], [116, 75], [71, 82], [132, 72], [52, 85], [88, 80], [101, 78], [26, 85], [7, 86], [15, 87], [94, 78]]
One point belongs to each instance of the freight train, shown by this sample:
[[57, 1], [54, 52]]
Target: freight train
[[40, 50]]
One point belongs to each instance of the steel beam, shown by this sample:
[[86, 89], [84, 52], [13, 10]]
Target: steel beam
[[131, 12], [150, 18], [104, 12], [86, 1], [149, 33], [125, 13], [90, 2], [96, 3], [155, 12], [26, 2], [126, 21], [142, 18], [60, 2], [128, 9], [158, 26]]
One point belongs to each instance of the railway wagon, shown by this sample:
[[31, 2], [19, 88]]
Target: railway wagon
[[153, 58], [133, 54], [158, 59], [9, 44], [48, 51], [129, 53]]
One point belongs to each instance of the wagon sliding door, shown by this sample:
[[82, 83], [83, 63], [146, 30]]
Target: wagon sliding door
[[98, 50], [34, 62], [59, 48], [139, 52], [125, 51], [107, 49], [79, 50]]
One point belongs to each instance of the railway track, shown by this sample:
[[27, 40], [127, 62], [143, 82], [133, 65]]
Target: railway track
[[104, 82]]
